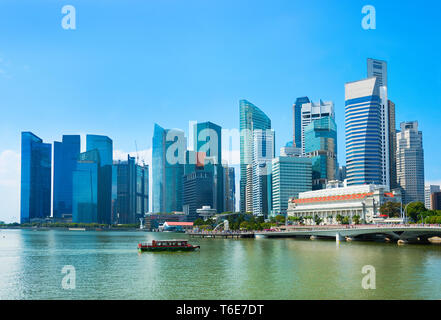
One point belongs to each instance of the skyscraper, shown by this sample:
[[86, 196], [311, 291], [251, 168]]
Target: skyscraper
[[377, 68], [85, 188], [290, 176], [428, 190], [321, 146], [263, 154], [208, 139], [297, 121], [198, 191], [65, 159], [392, 146], [314, 111], [364, 139], [132, 191], [168, 159], [104, 146], [251, 118], [36, 159], [410, 162], [229, 189]]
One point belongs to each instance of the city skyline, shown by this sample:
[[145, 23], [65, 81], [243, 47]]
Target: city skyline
[[63, 116]]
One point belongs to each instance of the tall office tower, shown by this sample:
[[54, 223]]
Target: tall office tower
[[168, 158], [263, 154], [251, 118], [311, 111], [410, 162], [435, 201], [85, 188], [131, 191], [229, 189], [104, 146], [290, 176], [208, 139], [297, 121], [377, 68], [249, 190], [65, 159], [428, 190], [366, 150], [198, 191], [36, 169], [321, 146], [392, 146], [142, 191]]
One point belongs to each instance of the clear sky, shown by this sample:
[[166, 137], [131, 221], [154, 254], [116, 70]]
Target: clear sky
[[132, 63]]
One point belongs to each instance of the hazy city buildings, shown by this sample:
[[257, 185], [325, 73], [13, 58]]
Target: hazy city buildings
[[65, 160], [320, 137], [392, 146], [229, 189], [168, 158], [251, 118], [36, 170], [428, 190], [291, 175], [410, 162]]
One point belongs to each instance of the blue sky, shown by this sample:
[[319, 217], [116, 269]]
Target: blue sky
[[130, 64]]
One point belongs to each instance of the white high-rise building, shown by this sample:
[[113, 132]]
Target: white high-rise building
[[428, 190], [410, 162], [263, 154], [367, 134], [313, 111]]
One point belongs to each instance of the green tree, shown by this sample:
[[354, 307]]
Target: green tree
[[356, 219], [415, 209], [345, 220], [339, 218], [280, 219], [317, 220], [391, 209]]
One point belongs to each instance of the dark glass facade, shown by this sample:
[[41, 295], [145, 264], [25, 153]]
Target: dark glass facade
[[197, 192], [131, 191], [208, 139], [65, 159], [36, 169], [297, 121]]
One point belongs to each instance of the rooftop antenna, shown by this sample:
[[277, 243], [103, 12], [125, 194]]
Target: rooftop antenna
[[137, 156]]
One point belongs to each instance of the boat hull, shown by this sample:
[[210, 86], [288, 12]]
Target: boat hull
[[170, 249]]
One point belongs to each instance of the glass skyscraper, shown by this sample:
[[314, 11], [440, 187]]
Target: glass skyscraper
[[86, 188], [290, 176], [36, 169], [92, 187], [65, 159], [168, 158], [251, 118], [131, 191], [321, 147], [363, 121], [297, 121], [208, 139]]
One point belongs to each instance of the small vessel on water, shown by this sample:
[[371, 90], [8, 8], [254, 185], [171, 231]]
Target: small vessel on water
[[167, 245]]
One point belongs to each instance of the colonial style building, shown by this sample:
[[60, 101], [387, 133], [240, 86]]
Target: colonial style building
[[363, 200]]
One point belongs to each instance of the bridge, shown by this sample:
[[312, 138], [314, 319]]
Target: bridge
[[399, 233]]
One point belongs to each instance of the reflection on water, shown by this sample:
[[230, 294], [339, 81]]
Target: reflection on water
[[108, 266]]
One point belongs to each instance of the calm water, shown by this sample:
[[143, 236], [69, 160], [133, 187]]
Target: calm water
[[108, 266]]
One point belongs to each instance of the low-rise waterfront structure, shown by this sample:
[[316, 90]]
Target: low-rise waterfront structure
[[363, 201]]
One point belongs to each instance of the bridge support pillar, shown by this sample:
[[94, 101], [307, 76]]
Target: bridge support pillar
[[337, 237]]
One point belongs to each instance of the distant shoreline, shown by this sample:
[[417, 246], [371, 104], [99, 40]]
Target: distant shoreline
[[71, 228]]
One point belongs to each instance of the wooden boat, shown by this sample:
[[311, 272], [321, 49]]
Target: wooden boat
[[167, 245]]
